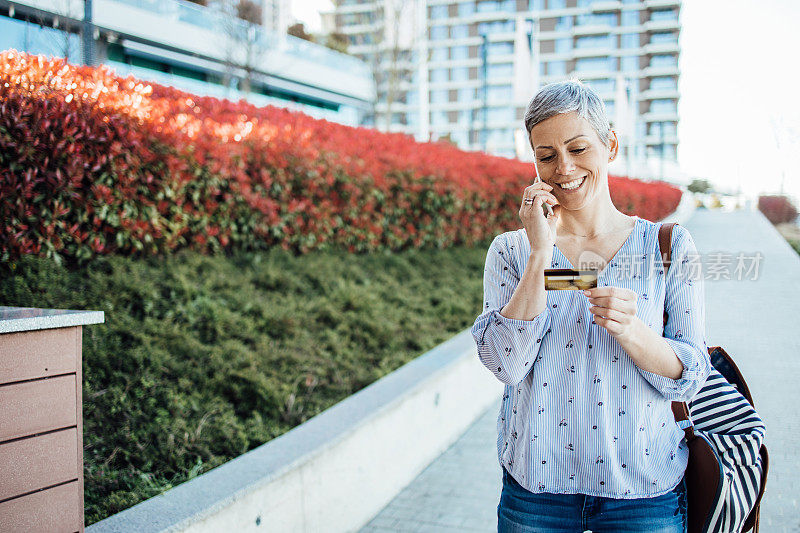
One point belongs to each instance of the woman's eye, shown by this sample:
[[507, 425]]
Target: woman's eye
[[546, 158], [578, 150]]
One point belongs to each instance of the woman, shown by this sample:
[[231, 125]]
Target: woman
[[587, 438]]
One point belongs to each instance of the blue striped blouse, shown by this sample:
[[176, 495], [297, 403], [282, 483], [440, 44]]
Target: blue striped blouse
[[578, 416]]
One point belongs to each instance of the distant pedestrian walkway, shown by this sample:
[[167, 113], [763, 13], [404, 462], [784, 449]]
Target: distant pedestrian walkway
[[756, 321]]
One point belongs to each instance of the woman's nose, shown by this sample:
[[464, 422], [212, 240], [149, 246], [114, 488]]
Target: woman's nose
[[565, 165]]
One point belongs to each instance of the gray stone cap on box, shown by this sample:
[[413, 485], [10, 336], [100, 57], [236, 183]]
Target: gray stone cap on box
[[13, 319]]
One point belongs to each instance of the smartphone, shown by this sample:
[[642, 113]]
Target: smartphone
[[546, 209]]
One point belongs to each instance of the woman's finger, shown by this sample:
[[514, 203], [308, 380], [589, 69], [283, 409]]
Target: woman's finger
[[610, 302], [609, 314], [548, 197]]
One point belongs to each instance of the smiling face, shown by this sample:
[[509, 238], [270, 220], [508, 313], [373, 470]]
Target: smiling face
[[569, 152]]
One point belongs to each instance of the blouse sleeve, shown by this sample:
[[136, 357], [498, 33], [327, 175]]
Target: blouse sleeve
[[507, 347], [685, 327]]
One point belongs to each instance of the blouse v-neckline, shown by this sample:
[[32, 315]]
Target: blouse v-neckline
[[624, 245]]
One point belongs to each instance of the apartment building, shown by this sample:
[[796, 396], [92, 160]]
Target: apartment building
[[474, 65], [201, 49]]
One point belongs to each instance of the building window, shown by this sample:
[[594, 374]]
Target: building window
[[501, 114], [609, 105], [630, 40], [494, 6], [536, 5], [460, 74], [466, 95], [439, 96], [655, 129], [663, 14], [663, 60], [667, 151], [439, 12], [663, 106], [500, 93], [498, 26], [593, 64], [556, 4], [438, 74], [556, 68], [564, 23], [593, 41], [500, 49], [630, 18], [563, 46], [438, 33], [664, 83], [459, 32], [663, 37], [466, 9], [602, 85], [597, 19], [459, 52], [439, 54], [501, 70], [630, 63], [438, 118]]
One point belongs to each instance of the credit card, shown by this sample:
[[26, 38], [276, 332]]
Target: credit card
[[556, 279]]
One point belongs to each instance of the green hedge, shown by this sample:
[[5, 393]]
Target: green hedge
[[202, 358]]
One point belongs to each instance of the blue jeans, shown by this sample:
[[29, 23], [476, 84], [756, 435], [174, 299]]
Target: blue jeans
[[521, 511]]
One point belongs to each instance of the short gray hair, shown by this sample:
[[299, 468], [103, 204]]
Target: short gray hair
[[564, 97]]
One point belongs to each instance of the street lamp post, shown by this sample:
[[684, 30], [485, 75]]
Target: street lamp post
[[485, 90], [87, 43]]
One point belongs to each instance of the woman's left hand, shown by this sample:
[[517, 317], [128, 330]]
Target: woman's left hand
[[614, 308]]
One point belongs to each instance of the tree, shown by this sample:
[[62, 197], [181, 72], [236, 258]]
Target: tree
[[389, 58], [336, 41], [699, 186], [244, 46], [60, 38], [299, 30]]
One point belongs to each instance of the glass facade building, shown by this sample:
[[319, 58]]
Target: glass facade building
[[198, 49], [484, 59]]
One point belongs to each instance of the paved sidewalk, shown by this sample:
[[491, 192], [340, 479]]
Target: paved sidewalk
[[755, 321]]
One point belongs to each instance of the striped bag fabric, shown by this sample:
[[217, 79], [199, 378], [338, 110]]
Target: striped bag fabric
[[728, 461]]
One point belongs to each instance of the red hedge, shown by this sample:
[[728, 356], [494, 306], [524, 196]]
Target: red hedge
[[92, 163], [777, 209]]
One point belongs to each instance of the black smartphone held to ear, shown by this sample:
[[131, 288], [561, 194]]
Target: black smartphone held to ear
[[546, 209]]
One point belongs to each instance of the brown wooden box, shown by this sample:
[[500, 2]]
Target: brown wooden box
[[41, 428]]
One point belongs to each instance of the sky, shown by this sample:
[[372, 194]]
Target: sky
[[740, 91]]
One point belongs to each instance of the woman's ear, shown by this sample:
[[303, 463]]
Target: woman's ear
[[613, 145]]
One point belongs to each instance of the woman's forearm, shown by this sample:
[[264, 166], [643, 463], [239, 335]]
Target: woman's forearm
[[529, 298], [650, 352]]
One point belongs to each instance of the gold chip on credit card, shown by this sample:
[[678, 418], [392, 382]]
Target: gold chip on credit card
[[556, 279]]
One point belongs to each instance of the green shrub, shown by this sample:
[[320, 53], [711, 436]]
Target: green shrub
[[202, 358]]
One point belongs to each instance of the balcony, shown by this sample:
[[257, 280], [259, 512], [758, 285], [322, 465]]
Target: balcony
[[655, 140], [594, 52], [592, 29], [662, 48], [661, 116], [662, 25], [651, 4], [606, 7], [668, 70], [657, 94]]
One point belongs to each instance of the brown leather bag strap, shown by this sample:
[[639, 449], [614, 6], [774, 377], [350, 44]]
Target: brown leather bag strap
[[679, 409]]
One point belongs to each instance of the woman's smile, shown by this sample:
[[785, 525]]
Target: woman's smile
[[573, 185]]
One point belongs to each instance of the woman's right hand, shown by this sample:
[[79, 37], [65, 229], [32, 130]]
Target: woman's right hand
[[541, 231]]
